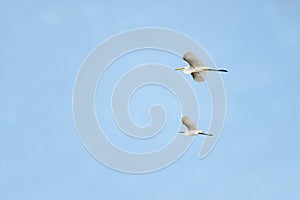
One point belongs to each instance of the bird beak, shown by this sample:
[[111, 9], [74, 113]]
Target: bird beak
[[181, 68]]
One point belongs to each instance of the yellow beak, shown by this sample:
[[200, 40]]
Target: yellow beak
[[182, 68]]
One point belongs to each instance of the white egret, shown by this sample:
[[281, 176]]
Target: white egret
[[196, 67], [192, 128]]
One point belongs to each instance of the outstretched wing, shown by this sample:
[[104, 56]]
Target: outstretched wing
[[199, 76], [189, 123], [192, 59]]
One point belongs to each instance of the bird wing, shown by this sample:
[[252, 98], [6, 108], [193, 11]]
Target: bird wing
[[189, 123], [192, 59], [199, 76]]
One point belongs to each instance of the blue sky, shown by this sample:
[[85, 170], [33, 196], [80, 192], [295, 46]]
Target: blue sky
[[43, 45]]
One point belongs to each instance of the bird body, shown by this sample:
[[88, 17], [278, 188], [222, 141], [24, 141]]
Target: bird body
[[189, 69], [196, 67], [193, 132], [192, 129]]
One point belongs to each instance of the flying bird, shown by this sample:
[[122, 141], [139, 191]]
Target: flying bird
[[196, 67], [192, 129]]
